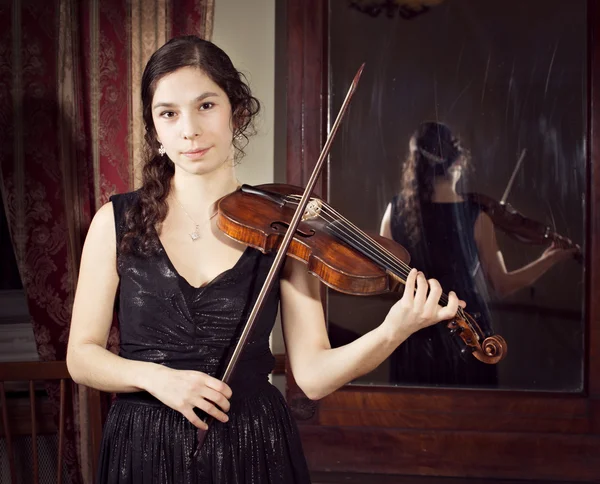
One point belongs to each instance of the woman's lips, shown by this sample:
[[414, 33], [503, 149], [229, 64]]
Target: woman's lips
[[195, 154]]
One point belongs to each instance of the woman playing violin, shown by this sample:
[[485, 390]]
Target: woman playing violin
[[453, 240], [182, 290]]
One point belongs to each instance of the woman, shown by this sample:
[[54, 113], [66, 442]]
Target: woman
[[451, 239], [185, 290]]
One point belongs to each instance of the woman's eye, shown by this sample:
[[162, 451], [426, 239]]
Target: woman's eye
[[167, 114], [205, 106]]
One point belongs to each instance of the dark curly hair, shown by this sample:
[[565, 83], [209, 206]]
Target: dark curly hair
[[151, 207], [433, 150]]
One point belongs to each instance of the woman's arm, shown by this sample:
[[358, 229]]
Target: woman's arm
[[88, 360], [506, 282], [317, 368], [91, 364]]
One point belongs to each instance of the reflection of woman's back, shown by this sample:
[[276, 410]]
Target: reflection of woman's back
[[451, 240], [437, 228], [447, 252]]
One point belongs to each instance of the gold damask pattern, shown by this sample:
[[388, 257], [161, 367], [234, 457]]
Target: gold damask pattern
[[69, 125], [114, 92], [206, 15], [71, 141], [149, 27], [94, 81], [18, 227]]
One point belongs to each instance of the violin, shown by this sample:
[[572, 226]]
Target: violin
[[519, 227], [341, 255]]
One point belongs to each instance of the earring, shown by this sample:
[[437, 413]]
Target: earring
[[161, 150]]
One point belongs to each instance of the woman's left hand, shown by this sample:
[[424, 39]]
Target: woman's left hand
[[419, 307]]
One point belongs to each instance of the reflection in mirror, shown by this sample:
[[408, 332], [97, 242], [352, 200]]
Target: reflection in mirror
[[466, 112]]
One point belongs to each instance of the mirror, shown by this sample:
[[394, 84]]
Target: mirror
[[508, 81]]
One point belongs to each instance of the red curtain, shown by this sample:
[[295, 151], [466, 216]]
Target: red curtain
[[70, 130]]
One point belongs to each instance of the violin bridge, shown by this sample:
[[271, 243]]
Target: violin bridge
[[313, 209]]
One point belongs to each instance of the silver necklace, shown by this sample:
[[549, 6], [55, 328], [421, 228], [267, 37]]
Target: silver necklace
[[195, 235]]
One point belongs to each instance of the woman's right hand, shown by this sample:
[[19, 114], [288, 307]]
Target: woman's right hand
[[183, 390]]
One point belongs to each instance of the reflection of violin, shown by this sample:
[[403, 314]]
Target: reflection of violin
[[523, 229], [340, 254]]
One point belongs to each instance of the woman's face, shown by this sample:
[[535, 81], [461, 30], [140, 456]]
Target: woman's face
[[192, 118]]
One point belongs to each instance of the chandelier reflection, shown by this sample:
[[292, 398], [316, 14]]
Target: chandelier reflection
[[407, 9]]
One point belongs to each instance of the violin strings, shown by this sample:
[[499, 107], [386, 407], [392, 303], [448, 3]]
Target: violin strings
[[369, 245], [366, 244], [353, 229], [381, 254]]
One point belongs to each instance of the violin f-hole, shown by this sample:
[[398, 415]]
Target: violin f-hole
[[277, 226]]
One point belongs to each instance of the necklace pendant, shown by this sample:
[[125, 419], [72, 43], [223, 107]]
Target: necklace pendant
[[195, 235]]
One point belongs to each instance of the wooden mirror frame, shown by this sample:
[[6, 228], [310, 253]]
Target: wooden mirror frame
[[444, 432]]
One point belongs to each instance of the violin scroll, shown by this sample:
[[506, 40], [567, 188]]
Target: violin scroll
[[490, 350], [494, 349]]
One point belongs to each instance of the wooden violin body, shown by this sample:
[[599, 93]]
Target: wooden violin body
[[264, 222], [341, 255], [521, 228]]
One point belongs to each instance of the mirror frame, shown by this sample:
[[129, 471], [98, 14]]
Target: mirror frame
[[444, 432]]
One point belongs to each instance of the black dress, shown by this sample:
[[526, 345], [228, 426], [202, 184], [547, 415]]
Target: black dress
[[446, 251], [165, 320]]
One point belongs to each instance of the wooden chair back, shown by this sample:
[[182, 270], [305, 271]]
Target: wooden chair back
[[15, 421]]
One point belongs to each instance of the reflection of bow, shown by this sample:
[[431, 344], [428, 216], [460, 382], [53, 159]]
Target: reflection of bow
[[512, 178]]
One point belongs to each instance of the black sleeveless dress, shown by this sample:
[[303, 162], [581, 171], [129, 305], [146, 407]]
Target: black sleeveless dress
[[165, 320], [446, 251]]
